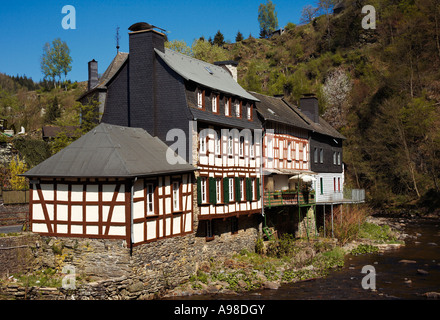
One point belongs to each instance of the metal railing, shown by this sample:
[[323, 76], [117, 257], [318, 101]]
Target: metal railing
[[283, 198]]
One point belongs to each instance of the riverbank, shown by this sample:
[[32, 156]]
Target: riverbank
[[288, 260]]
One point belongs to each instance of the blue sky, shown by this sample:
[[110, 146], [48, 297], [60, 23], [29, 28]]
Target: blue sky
[[25, 26]]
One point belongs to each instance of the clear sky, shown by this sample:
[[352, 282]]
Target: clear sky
[[25, 26]]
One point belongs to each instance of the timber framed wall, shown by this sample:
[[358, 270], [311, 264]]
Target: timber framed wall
[[92, 208], [101, 208]]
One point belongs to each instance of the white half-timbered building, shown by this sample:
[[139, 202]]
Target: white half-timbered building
[[112, 183]]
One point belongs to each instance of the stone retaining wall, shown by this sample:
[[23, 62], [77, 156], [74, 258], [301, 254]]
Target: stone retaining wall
[[109, 270]]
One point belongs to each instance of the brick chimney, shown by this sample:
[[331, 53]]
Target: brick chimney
[[93, 74], [308, 104], [230, 66], [142, 63]]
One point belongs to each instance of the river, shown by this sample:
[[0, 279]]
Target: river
[[394, 278]]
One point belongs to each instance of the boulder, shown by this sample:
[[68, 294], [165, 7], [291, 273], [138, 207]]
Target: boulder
[[270, 285]]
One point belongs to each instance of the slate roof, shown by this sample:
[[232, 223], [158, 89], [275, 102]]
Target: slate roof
[[110, 151], [206, 74], [278, 110], [111, 70]]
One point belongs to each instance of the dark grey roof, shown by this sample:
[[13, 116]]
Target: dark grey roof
[[206, 74], [278, 110], [112, 69], [110, 151], [218, 119]]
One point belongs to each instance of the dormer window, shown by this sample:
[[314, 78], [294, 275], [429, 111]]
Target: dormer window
[[249, 112], [238, 109], [227, 107], [215, 103], [200, 98]]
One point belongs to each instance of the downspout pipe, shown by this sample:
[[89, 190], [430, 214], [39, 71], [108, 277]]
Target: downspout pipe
[[131, 214]]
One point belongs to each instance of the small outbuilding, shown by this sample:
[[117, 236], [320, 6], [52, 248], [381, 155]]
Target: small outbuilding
[[112, 183]]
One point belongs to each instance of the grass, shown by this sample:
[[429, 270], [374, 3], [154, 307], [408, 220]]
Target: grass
[[43, 278], [379, 234]]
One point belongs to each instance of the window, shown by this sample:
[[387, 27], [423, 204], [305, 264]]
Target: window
[[150, 198], [339, 158], [270, 146], [238, 109], [176, 196], [200, 96], [203, 190], [321, 155], [339, 184], [218, 143], [202, 139], [297, 151], [242, 186], [227, 107], [251, 147], [321, 185], [218, 187], [315, 155], [231, 189], [215, 103], [304, 152], [281, 149], [334, 157], [334, 184], [253, 190], [241, 146], [249, 112], [289, 151], [230, 146]]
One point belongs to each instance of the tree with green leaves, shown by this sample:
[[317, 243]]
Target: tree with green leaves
[[53, 111], [267, 18], [56, 60]]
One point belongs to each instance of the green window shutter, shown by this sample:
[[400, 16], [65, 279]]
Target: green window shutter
[[237, 189], [226, 190], [199, 190], [248, 189], [258, 189], [212, 191]]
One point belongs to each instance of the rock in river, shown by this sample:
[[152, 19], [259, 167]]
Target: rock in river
[[421, 271], [407, 261]]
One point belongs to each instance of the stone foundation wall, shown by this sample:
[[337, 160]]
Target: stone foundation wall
[[110, 271]]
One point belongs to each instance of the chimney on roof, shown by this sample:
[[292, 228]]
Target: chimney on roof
[[143, 66], [93, 74], [308, 104], [230, 66]]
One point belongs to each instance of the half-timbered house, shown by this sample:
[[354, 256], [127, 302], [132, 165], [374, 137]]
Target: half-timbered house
[[201, 111], [112, 183]]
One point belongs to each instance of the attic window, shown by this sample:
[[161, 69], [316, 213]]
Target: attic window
[[209, 70]]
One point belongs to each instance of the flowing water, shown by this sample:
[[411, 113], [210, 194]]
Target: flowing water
[[394, 278]]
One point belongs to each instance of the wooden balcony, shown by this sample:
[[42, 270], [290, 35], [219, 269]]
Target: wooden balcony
[[286, 198]]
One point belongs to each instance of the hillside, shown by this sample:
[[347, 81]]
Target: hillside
[[378, 87]]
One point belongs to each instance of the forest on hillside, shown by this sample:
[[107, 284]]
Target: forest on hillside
[[379, 87]]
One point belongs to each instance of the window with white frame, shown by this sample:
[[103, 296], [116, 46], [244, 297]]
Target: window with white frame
[[280, 148], [334, 157], [241, 146], [339, 158], [202, 142], [321, 155], [227, 107], [253, 189], [304, 152], [315, 155], [242, 189], [203, 189], [150, 197], [297, 151], [249, 112], [289, 150], [270, 146], [214, 103], [251, 147], [176, 196], [230, 145], [231, 189], [218, 143], [200, 99], [237, 109], [218, 189]]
